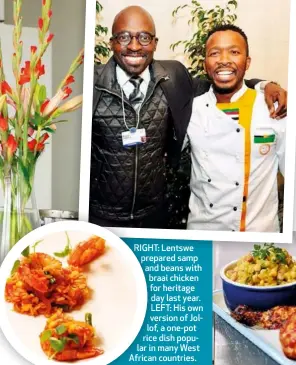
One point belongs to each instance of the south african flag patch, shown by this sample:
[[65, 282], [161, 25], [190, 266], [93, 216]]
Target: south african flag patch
[[233, 113], [264, 139]]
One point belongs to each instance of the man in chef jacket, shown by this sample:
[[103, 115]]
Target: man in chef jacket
[[236, 148]]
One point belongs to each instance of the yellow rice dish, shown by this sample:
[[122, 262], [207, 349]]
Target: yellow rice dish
[[266, 265]]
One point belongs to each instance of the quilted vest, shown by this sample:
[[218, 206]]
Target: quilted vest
[[128, 182]]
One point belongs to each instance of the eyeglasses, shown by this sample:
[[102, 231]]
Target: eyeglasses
[[125, 38]]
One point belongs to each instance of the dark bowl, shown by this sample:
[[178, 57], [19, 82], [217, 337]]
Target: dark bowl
[[257, 297]]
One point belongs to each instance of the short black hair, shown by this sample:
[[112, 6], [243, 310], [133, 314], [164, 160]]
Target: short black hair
[[233, 28]]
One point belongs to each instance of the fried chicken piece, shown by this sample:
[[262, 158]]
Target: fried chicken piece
[[288, 337], [271, 319], [275, 318], [246, 315]]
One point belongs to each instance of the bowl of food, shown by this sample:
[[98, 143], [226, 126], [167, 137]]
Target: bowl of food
[[262, 279]]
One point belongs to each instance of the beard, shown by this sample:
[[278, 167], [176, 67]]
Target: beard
[[229, 89], [226, 90]]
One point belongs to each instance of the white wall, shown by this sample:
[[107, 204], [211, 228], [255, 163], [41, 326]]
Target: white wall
[[266, 23], [43, 189], [68, 26]]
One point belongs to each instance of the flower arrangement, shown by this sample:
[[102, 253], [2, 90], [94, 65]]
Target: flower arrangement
[[27, 118]]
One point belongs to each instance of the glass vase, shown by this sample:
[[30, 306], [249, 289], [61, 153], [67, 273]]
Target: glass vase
[[19, 213]]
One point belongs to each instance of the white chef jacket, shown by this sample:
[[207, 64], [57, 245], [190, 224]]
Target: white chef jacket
[[218, 176]]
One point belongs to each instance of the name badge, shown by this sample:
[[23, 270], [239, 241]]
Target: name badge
[[133, 137]]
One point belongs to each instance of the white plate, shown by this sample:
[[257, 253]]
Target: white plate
[[267, 340], [118, 303]]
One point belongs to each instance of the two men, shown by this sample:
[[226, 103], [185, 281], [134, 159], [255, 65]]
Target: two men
[[141, 110], [237, 149]]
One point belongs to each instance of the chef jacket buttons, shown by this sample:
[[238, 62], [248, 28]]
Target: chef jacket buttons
[[238, 130], [207, 105], [211, 205], [237, 184], [209, 180], [235, 209]]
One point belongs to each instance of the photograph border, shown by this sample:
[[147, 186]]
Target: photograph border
[[85, 162]]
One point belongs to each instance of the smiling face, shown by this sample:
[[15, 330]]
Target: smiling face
[[133, 58], [226, 61]]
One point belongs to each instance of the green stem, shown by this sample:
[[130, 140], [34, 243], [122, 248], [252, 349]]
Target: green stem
[[20, 224], [13, 229], [27, 224]]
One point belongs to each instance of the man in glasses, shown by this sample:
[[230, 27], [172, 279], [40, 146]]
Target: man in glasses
[[141, 110]]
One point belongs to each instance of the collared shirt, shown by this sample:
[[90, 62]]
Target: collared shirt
[[221, 193], [128, 87]]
